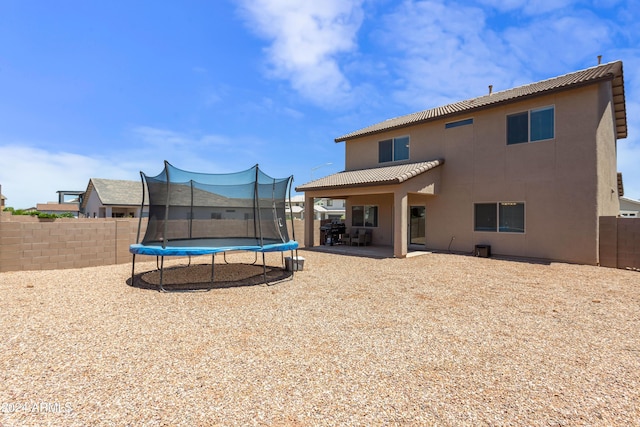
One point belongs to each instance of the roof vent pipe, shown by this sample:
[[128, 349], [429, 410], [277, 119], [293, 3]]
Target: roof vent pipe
[[490, 89], [599, 59]]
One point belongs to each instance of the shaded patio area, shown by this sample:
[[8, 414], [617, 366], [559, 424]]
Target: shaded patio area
[[378, 252]]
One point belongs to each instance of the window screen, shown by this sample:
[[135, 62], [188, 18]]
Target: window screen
[[511, 217], [385, 151], [486, 217], [542, 124], [517, 128]]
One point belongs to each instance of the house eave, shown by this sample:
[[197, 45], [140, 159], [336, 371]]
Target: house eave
[[615, 76]]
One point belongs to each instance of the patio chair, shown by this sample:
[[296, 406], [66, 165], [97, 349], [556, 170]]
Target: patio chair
[[345, 238], [361, 236]]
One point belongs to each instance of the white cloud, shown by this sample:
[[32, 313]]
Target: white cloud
[[555, 43], [306, 39], [444, 53], [448, 52], [529, 7], [628, 161], [31, 175]]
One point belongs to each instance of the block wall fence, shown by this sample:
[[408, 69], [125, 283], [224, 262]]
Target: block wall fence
[[28, 243], [620, 242]]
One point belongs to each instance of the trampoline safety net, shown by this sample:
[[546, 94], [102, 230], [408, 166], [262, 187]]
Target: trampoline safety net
[[201, 209]]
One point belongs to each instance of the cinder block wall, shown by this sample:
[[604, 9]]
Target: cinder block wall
[[28, 243]]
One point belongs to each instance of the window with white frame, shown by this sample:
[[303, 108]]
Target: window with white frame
[[393, 150], [364, 216], [502, 217], [530, 126]]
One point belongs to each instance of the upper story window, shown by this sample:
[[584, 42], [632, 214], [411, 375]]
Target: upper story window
[[530, 126], [458, 123], [393, 150]]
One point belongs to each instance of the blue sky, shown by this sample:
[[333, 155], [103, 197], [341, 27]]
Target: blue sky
[[107, 89]]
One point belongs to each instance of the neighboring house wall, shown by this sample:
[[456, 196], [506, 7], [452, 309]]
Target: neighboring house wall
[[94, 207], [629, 208]]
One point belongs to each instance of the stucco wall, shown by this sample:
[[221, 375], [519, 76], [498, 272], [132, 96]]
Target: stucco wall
[[565, 182]]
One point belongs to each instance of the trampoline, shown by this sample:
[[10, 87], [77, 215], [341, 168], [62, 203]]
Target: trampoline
[[193, 214]]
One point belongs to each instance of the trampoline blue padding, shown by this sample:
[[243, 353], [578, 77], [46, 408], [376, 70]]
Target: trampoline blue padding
[[197, 247]]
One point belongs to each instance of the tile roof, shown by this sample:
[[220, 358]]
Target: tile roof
[[374, 176], [116, 191], [611, 71]]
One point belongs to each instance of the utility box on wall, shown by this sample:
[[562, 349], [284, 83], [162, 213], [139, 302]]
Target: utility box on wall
[[483, 251]]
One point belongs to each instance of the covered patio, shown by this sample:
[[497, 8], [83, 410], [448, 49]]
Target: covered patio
[[387, 194]]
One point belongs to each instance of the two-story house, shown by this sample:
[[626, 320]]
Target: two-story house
[[528, 171]]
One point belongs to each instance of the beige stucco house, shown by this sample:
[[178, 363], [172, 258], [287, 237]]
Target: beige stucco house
[[527, 171]]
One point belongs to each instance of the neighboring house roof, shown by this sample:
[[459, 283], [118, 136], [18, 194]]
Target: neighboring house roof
[[116, 192], [627, 203], [373, 176], [611, 71], [2, 197], [58, 207], [298, 198]]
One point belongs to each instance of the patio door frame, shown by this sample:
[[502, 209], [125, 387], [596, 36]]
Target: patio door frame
[[414, 221]]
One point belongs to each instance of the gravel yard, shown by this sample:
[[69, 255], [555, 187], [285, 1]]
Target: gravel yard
[[437, 339]]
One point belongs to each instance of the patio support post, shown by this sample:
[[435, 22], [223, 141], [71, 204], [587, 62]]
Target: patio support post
[[400, 224], [309, 220]]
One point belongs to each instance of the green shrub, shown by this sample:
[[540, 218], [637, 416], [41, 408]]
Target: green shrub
[[38, 213]]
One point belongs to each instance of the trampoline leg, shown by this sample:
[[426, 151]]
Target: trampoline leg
[[294, 262], [161, 273], [213, 260], [133, 268], [264, 267]]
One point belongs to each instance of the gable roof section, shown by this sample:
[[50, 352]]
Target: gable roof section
[[115, 192], [611, 71], [370, 177]]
